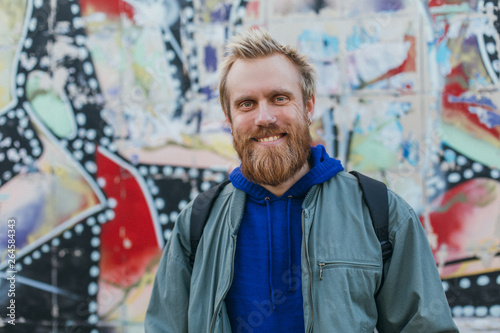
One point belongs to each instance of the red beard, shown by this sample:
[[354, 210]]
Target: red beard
[[273, 165]]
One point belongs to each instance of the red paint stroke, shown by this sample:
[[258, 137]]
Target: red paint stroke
[[109, 7], [438, 3], [128, 242], [444, 35], [408, 65], [454, 212], [457, 113]]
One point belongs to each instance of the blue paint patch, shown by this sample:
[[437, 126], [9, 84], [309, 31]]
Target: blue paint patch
[[443, 55], [483, 101], [494, 119], [398, 110], [318, 45], [487, 118], [210, 59], [450, 156], [221, 14], [359, 37], [410, 149], [389, 5], [208, 92]]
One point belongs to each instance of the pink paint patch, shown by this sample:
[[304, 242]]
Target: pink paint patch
[[128, 241], [253, 9]]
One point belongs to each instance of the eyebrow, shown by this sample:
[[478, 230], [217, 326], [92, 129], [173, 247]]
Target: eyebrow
[[279, 92]]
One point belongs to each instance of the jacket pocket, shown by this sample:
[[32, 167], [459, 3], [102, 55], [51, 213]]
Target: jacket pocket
[[326, 265], [344, 295]]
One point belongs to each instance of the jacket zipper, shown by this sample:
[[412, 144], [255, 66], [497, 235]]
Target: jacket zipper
[[309, 329], [340, 263], [321, 264], [216, 313]]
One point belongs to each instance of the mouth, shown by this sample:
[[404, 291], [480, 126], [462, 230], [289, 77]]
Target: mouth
[[269, 139]]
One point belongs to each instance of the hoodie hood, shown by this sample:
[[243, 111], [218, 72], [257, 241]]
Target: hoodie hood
[[323, 167]]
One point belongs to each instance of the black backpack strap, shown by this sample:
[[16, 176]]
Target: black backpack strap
[[199, 215], [376, 199]]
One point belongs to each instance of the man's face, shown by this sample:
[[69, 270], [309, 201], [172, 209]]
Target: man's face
[[269, 120]]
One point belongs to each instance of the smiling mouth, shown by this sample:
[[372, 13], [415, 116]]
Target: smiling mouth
[[270, 138]]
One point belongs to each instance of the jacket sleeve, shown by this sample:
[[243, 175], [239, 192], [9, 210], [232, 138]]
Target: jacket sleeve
[[411, 298], [168, 307]]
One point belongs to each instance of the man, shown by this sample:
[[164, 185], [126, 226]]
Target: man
[[289, 245]]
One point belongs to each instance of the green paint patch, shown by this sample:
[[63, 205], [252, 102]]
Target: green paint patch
[[54, 114], [369, 154], [460, 198], [470, 146], [49, 107]]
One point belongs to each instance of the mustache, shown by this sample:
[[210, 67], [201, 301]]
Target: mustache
[[270, 130]]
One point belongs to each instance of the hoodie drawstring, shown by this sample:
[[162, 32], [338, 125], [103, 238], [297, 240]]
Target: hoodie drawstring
[[269, 227], [289, 204]]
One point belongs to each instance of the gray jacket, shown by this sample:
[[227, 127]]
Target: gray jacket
[[341, 266]]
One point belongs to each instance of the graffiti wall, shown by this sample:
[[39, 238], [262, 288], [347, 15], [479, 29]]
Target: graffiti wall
[[110, 125]]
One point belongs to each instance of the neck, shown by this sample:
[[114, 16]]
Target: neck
[[280, 189]]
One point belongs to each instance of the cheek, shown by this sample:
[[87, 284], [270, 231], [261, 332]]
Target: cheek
[[296, 114], [242, 122]]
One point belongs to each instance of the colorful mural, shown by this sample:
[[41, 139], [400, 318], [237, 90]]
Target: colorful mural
[[110, 125]]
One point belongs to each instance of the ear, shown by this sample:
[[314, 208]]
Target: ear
[[310, 106]]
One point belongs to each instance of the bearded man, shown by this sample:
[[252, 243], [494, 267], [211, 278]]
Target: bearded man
[[289, 245]]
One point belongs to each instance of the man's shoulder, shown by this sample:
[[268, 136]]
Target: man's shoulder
[[347, 179], [348, 184], [228, 202]]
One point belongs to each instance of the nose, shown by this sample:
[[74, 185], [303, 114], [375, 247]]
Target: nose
[[265, 115]]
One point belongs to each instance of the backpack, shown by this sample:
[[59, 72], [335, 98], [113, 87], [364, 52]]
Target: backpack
[[374, 196]]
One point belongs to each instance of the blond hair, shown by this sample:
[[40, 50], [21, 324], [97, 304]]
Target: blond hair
[[258, 43]]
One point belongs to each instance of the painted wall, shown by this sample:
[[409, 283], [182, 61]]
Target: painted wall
[[109, 126]]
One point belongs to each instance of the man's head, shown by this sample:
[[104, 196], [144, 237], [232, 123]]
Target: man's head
[[267, 92], [258, 43]]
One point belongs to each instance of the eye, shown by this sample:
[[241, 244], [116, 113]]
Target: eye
[[281, 99], [246, 105]]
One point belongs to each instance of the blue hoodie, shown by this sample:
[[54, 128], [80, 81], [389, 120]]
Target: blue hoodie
[[266, 293]]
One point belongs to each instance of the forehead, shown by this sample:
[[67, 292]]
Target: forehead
[[275, 72]]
